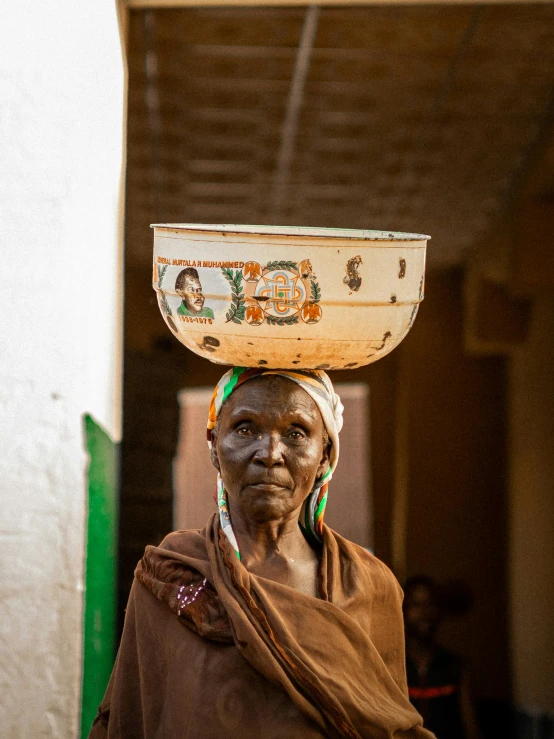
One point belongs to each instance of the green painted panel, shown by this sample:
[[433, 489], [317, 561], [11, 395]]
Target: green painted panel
[[101, 568]]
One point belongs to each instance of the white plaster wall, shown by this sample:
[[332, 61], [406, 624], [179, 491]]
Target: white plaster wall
[[61, 133], [532, 512]]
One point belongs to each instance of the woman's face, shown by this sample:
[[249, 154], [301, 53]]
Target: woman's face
[[269, 448]]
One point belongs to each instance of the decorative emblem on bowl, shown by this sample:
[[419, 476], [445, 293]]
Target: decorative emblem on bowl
[[278, 293]]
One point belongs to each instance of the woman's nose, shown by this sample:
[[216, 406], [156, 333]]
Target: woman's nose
[[269, 450]]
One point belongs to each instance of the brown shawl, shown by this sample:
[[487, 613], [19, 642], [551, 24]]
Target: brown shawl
[[210, 650]]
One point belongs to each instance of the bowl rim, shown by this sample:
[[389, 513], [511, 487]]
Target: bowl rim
[[300, 231]]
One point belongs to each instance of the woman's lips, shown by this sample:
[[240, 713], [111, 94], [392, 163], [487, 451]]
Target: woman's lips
[[267, 487]]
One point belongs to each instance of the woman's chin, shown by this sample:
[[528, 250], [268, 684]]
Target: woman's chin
[[262, 507]]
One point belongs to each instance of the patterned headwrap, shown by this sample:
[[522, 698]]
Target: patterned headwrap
[[318, 385]]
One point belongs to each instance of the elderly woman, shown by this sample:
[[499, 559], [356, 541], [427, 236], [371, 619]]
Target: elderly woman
[[265, 624]]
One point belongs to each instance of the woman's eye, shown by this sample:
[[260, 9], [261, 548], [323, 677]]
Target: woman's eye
[[296, 435], [243, 430]]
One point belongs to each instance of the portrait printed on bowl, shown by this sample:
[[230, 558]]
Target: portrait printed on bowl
[[189, 289]]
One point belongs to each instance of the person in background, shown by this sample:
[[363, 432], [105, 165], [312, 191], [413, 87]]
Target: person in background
[[437, 681]]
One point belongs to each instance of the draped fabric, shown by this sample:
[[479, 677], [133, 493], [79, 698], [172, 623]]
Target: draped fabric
[[211, 650]]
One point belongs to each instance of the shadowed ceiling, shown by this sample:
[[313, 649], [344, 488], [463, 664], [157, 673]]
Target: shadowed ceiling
[[402, 118]]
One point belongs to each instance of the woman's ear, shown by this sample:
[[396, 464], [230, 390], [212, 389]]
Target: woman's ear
[[325, 461], [213, 453]]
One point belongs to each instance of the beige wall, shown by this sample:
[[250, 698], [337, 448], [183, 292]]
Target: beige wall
[[531, 484]]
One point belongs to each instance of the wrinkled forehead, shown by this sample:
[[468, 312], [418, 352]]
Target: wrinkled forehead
[[273, 395]]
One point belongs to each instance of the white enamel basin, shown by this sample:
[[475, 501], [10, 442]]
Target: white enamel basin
[[288, 296]]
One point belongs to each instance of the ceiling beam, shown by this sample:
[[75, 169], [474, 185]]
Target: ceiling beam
[[155, 4], [294, 105]]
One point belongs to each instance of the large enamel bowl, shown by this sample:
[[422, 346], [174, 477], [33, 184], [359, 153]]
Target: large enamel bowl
[[287, 296]]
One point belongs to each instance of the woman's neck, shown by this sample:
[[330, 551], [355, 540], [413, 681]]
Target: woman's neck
[[261, 541], [278, 551]]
